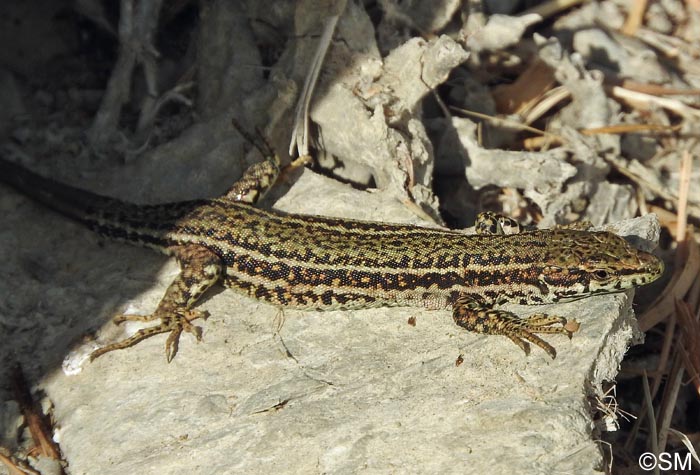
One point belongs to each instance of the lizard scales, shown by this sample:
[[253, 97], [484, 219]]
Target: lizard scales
[[313, 262]]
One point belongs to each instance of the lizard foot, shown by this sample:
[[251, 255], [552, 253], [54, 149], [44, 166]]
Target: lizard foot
[[175, 323], [479, 318]]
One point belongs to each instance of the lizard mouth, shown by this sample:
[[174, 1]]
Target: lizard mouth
[[652, 265]]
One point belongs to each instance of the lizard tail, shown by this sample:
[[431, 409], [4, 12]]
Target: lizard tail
[[74, 203]]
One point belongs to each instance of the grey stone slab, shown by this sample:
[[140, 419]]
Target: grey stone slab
[[296, 392]]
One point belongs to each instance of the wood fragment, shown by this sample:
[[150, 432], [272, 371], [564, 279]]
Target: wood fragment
[[644, 101], [37, 422], [635, 17], [528, 88], [653, 89], [552, 7], [16, 467]]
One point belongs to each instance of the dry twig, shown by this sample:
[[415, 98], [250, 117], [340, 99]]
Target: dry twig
[[137, 27]]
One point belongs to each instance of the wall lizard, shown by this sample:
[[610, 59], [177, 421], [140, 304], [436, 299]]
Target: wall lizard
[[322, 263]]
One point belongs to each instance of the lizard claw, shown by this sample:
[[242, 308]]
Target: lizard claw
[[175, 324]]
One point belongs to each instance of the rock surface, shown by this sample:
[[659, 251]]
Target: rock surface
[[299, 392]]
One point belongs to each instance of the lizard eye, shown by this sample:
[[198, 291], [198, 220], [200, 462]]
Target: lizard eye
[[600, 274]]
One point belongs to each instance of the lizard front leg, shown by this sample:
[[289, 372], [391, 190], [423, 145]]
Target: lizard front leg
[[200, 269], [477, 317]]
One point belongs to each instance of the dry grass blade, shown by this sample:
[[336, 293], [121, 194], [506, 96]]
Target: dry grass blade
[[692, 298], [686, 442], [611, 411], [507, 123], [659, 376], [687, 265], [653, 89], [536, 142], [684, 193], [653, 437], [690, 328], [560, 93], [643, 101], [630, 128], [666, 348], [650, 181], [681, 281], [300, 128], [669, 400], [550, 100]]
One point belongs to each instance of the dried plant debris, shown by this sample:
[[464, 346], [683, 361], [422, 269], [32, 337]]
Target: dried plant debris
[[43, 453], [566, 112]]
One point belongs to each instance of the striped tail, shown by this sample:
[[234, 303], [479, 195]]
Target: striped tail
[[74, 203]]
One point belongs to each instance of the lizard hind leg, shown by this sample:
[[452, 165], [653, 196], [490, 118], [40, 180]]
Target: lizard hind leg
[[259, 177], [200, 269], [491, 223]]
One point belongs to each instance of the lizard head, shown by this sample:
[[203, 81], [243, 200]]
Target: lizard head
[[587, 263]]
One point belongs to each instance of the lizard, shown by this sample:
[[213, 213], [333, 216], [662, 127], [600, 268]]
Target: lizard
[[323, 263]]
